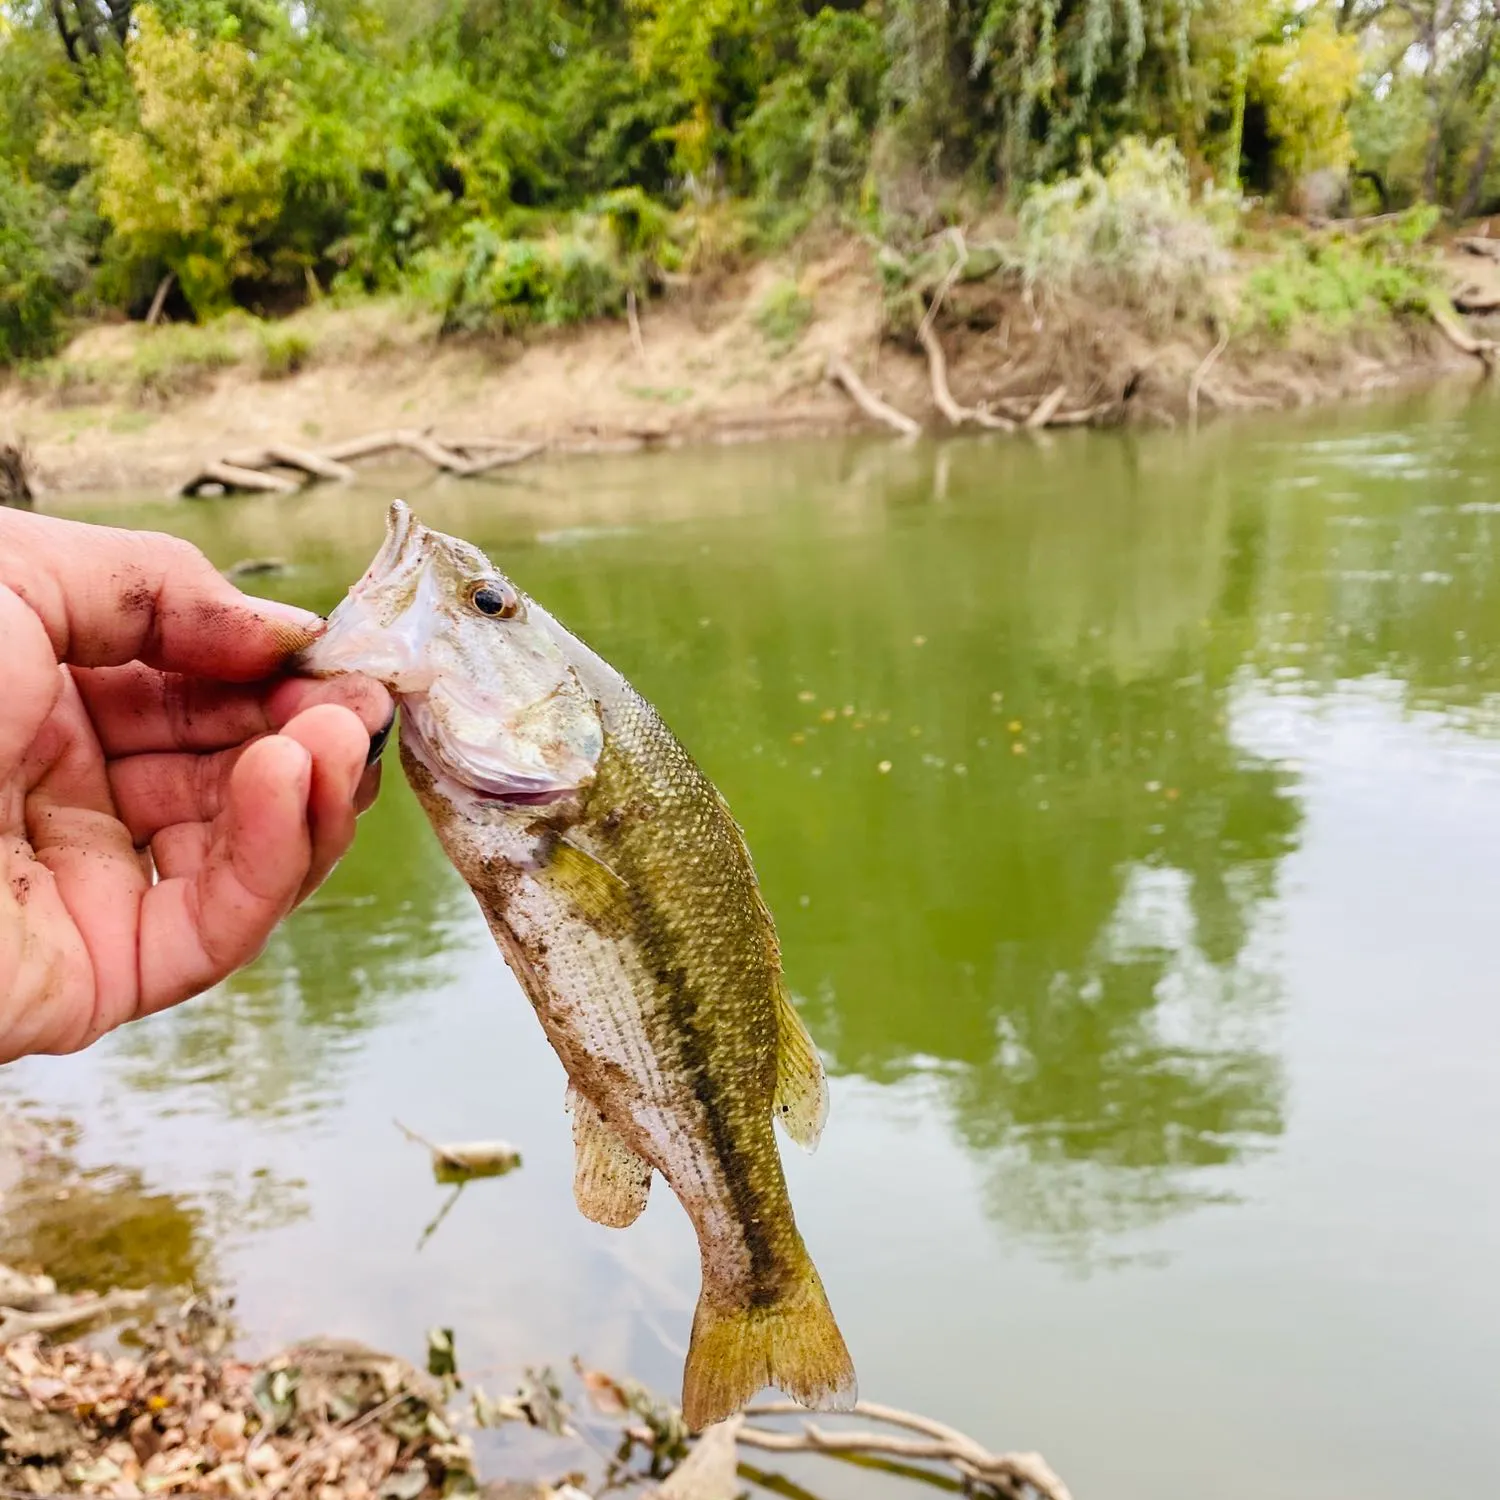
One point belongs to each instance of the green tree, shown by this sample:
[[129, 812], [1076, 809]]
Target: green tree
[[200, 177]]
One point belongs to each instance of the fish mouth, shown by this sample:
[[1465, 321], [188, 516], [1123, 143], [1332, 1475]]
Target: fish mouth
[[359, 634], [501, 790]]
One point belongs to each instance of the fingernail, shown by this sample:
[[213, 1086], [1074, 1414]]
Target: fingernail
[[304, 619], [293, 629], [378, 740]]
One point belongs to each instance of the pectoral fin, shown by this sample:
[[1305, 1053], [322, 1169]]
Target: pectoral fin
[[801, 1099], [610, 1182], [597, 893]]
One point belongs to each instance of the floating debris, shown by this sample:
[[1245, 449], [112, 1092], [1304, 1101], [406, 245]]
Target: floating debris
[[467, 1159], [256, 567]]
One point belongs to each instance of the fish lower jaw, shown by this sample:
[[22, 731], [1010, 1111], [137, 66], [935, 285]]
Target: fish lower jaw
[[454, 788]]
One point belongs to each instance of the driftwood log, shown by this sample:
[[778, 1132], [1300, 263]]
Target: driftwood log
[[280, 468]]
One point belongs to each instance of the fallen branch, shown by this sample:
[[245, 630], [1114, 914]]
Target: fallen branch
[[867, 401], [1046, 409], [1011, 1474], [499, 459], [1195, 385], [284, 456], [229, 477], [439, 455], [16, 1323]]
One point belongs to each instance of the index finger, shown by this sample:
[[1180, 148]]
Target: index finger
[[106, 596]]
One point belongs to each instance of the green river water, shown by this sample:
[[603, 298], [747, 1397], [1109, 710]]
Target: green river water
[[1130, 809]]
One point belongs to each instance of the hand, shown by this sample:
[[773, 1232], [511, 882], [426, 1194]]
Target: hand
[[164, 801]]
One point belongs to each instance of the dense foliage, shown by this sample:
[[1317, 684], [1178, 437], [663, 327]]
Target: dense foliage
[[538, 160]]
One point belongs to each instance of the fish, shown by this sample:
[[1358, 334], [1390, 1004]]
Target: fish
[[621, 893]]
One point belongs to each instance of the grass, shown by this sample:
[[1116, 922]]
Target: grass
[[783, 314], [283, 350]]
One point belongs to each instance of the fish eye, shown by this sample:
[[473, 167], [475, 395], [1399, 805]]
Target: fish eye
[[493, 599]]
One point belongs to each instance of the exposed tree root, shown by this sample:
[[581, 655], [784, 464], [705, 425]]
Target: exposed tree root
[[1485, 350], [1195, 385], [842, 374]]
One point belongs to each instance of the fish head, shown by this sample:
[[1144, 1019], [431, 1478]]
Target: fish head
[[489, 699]]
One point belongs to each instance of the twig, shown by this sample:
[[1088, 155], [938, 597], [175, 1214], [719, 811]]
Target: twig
[[442, 1213], [1008, 1472], [159, 300], [354, 1424], [16, 1324], [634, 319], [840, 372], [1195, 385], [1045, 409]]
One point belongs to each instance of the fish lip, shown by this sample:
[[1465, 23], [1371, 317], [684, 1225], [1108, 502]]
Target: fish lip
[[401, 528]]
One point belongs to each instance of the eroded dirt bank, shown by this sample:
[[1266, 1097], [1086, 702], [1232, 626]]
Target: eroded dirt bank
[[128, 406]]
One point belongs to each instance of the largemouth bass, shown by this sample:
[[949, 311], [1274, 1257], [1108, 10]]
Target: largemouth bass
[[622, 895]]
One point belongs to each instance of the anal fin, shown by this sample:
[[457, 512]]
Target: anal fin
[[801, 1098], [610, 1181]]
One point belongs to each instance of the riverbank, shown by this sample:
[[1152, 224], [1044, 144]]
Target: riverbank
[[741, 357]]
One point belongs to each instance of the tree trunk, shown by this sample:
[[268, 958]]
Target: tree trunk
[[1468, 205]]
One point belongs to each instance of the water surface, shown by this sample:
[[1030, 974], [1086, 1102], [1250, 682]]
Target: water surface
[[1130, 808]]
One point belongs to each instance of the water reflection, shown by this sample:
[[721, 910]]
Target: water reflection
[[274, 1037], [92, 1229]]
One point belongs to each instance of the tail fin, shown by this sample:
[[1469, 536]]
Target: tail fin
[[793, 1343]]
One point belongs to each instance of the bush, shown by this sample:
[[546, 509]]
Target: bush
[[283, 351], [1131, 233], [503, 284], [42, 263], [783, 313], [1335, 283]]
